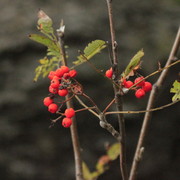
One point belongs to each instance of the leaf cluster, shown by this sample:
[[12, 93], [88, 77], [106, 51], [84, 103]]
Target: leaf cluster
[[102, 165]]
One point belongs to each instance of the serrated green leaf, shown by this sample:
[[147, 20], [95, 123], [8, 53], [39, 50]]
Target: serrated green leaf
[[44, 40], [133, 64], [114, 151], [176, 90], [91, 49]]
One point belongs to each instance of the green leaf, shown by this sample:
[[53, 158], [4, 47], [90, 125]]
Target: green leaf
[[45, 23], [46, 65], [44, 40], [86, 171], [176, 90], [114, 151], [133, 65], [92, 49]]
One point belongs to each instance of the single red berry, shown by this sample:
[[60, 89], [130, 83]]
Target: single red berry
[[63, 92], [72, 73], [109, 73], [124, 82], [65, 69], [128, 84], [140, 93], [59, 72], [47, 101], [66, 122], [54, 83], [53, 90], [51, 75], [53, 108], [66, 76], [147, 86], [139, 79], [69, 113]]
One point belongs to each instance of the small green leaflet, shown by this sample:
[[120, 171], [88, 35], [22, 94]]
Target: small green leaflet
[[114, 151], [46, 65], [91, 49], [133, 65], [176, 90], [45, 41]]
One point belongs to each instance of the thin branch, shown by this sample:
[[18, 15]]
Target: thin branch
[[109, 105], [150, 105], [69, 104], [118, 96], [103, 122], [143, 111], [84, 105], [156, 72]]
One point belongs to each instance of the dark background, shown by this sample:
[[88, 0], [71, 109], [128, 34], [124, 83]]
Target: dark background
[[29, 150]]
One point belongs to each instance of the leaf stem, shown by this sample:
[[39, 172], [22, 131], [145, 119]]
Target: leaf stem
[[151, 102]]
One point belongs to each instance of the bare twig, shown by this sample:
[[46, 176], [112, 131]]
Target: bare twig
[[118, 96], [143, 111], [150, 105], [69, 104], [84, 105]]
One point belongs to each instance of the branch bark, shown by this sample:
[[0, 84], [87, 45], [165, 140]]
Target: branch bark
[[69, 104], [151, 102], [118, 96]]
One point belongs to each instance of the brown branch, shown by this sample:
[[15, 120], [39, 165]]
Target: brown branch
[[69, 104], [151, 102], [84, 105], [143, 111], [118, 96]]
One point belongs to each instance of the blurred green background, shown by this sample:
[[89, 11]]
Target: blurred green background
[[29, 150]]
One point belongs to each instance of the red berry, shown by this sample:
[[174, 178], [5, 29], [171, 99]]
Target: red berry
[[53, 90], [47, 101], [66, 76], [128, 84], [59, 72], [63, 92], [53, 108], [147, 86], [139, 79], [72, 73], [109, 73], [124, 82], [55, 83], [69, 113], [65, 69], [66, 122], [51, 75], [140, 93]]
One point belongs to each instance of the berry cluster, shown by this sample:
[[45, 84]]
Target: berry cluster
[[141, 86], [60, 85]]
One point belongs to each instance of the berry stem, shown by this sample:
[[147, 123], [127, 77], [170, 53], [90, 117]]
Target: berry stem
[[69, 104], [151, 102]]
